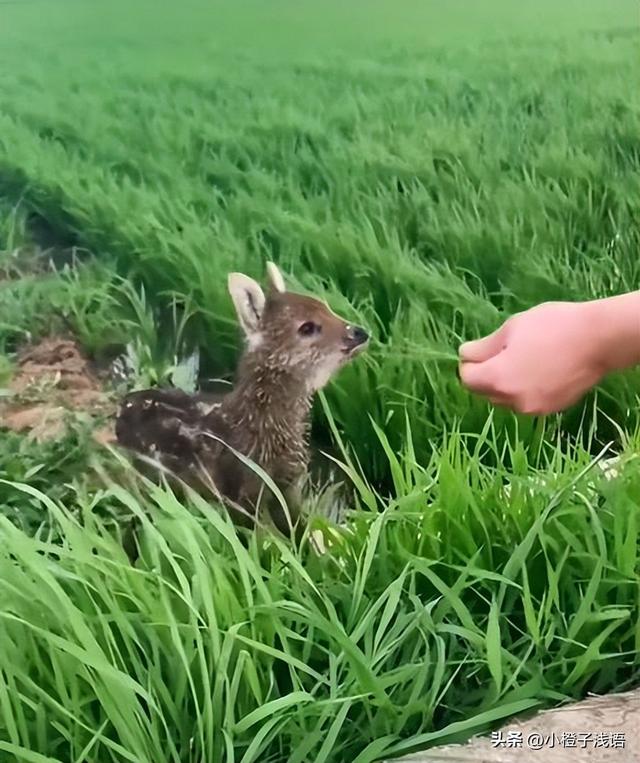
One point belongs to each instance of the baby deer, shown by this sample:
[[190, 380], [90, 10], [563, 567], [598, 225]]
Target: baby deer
[[294, 345]]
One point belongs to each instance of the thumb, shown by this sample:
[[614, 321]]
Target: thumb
[[482, 349]]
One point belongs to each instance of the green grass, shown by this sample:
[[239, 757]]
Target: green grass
[[427, 190], [429, 172], [451, 608]]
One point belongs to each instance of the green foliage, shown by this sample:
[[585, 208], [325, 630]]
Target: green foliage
[[450, 608], [57, 467], [428, 176], [427, 189]]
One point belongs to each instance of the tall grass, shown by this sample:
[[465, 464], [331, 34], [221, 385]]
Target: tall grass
[[428, 179], [427, 188], [455, 605]]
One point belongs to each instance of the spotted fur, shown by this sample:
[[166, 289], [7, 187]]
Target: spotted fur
[[294, 345]]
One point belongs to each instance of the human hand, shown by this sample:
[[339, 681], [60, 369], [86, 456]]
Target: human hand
[[540, 361]]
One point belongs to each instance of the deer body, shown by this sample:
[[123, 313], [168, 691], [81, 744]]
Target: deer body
[[294, 346]]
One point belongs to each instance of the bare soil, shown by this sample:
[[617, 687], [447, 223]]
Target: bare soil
[[54, 380]]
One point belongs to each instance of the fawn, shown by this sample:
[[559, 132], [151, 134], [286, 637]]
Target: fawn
[[294, 345]]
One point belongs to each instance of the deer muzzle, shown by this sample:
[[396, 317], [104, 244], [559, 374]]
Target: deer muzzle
[[356, 339]]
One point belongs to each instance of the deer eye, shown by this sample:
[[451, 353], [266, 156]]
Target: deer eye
[[309, 329]]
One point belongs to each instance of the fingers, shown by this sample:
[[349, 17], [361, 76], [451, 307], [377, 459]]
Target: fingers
[[481, 378], [488, 380], [480, 363], [483, 349]]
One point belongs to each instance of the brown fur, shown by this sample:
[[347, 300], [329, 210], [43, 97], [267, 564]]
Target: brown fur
[[294, 346]]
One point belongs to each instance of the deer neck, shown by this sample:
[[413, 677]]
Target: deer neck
[[268, 411]]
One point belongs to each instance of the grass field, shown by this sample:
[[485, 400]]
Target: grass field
[[428, 172]]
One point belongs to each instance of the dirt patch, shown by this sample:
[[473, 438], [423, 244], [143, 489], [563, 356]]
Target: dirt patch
[[54, 380]]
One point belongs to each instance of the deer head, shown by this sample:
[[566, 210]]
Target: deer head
[[293, 333]]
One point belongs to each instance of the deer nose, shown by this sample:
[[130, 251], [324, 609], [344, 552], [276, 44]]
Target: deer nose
[[357, 335]]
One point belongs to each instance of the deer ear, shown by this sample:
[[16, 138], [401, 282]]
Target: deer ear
[[276, 281], [248, 299]]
